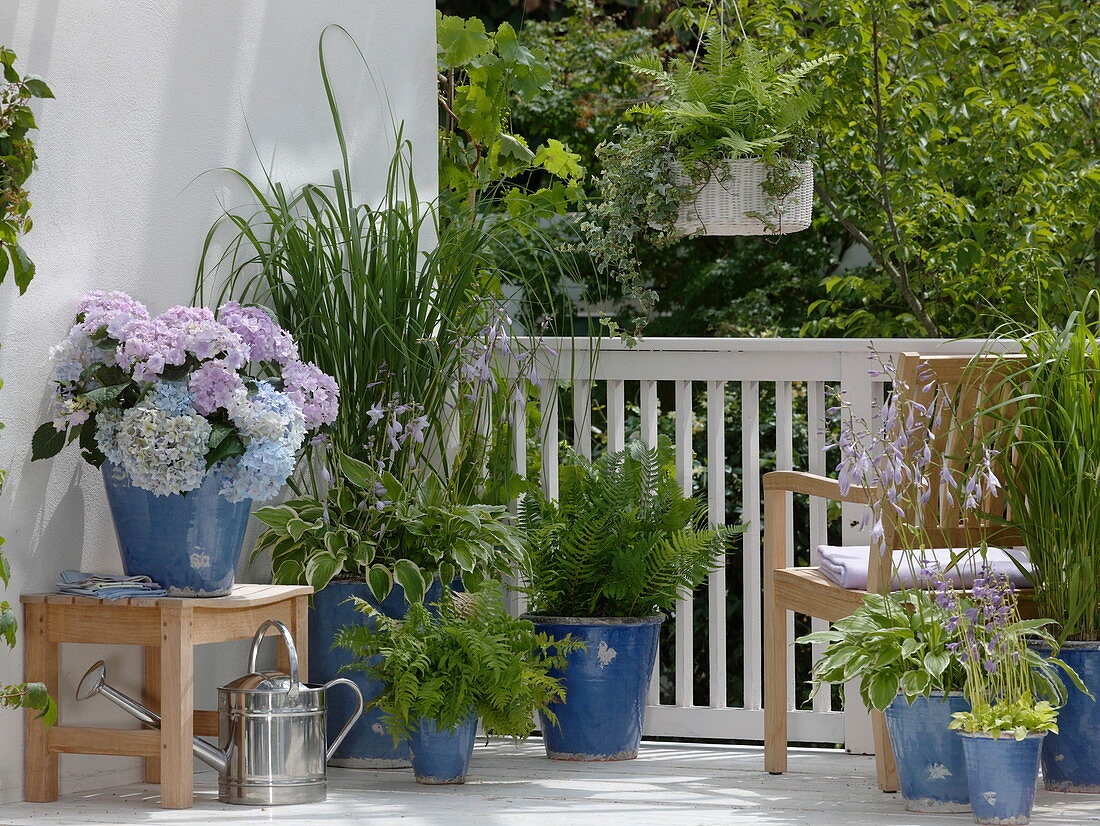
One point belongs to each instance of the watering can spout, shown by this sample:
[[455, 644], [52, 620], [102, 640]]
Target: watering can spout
[[95, 682]]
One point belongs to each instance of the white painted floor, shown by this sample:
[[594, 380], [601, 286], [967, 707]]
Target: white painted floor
[[668, 785]]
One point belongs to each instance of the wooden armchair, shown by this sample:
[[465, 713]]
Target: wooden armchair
[[967, 385]]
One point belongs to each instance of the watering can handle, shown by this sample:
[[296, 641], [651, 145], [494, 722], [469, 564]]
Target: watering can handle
[[351, 720], [292, 653]]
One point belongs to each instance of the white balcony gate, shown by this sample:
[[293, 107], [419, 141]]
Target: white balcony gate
[[572, 372]]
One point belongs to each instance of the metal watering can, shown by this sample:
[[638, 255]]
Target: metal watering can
[[271, 730]]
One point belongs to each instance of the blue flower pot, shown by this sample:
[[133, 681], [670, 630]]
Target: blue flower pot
[[1071, 758], [368, 745], [605, 687], [187, 542], [931, 764], [1002, 774], [442, 757]]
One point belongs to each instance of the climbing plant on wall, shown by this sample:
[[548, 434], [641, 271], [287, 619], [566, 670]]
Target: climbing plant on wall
[[16, 164]]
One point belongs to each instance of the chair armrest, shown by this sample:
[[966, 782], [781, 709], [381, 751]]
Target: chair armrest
[[797, 481]]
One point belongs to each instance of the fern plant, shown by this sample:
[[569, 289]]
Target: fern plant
[[730, 104], [472, 656], [621, 541]]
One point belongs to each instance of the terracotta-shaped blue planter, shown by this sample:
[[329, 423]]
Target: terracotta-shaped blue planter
[[1003, 774], [187, 542], [1071, 758], [368, 745], [930, 759], [605, 687], [442, 757]]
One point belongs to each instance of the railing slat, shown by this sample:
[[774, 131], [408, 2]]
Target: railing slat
[[784, 460], [582, 417], [616, 414], [647, 404], [517, 600], [548, 435], [685, 642], [716, 511], [819, 528], [647, 393], [750, 544]]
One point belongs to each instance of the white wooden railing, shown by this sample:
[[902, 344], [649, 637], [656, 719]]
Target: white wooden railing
[[710, 372]]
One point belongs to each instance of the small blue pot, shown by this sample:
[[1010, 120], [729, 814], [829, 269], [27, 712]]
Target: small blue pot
[[368, 745], [187, 542], [441, 758], [1071, 758], [931, 764], [1003, 774], [605, 687]]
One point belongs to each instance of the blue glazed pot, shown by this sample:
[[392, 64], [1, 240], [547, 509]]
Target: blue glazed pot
[[442, 757], [1071, 758], [368, 745], [931, 764], [1003, 774], [605, 687], [189, 543]]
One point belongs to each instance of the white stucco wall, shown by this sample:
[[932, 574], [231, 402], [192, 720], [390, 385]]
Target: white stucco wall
[[150, 94]]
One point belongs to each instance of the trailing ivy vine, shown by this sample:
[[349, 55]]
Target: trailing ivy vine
[[16, 164]]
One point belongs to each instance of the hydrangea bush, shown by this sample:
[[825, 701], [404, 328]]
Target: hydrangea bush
[[174, 397]]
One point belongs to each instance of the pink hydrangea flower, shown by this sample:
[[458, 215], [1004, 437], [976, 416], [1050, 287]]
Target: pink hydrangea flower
[[212, 386], [266, 340], [312, 390]]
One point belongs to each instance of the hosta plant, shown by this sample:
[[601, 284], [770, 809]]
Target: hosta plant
[[466, 655], [370, 527], [621, 540], [892, 644]]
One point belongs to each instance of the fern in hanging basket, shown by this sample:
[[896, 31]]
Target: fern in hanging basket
[[737, 123], [724, 150]]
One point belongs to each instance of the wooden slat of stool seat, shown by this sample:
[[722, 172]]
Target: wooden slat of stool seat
[[168, 629]]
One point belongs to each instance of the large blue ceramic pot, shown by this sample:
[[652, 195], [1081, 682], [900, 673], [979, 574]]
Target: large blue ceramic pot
[[187, 542], [1002, 773], [605, 687], [442, 757], [368, 745], [1071, 758], [930, 759]]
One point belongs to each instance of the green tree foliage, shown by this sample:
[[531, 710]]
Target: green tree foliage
[[16, 164], [470, 657], [959, 144], [480, 75], [622, 540]]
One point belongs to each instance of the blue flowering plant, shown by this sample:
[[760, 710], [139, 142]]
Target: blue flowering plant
[[174, 397], [1014, 689]]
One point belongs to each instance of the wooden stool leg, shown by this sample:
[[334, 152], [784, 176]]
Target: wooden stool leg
[[299, 628], [151, 698], [885, 767], [177, 703], [775, 637], [39, 666]]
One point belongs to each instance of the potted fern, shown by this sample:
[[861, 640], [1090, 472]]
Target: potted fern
[[606, 559], [445, 668]]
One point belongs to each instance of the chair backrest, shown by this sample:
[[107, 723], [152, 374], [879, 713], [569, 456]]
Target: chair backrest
[[956, 392]]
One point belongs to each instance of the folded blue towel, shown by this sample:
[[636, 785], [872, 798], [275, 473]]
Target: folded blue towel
[[108, 586]]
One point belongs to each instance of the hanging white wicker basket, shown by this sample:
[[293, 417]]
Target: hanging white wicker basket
[[738, 205]]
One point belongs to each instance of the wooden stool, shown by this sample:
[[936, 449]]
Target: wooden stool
[[169, 629]]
